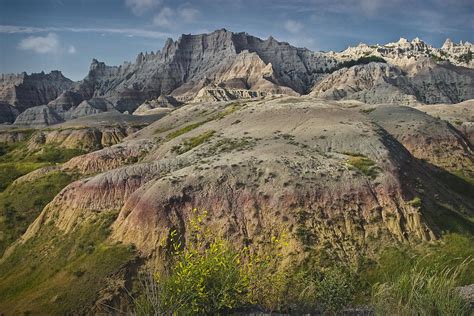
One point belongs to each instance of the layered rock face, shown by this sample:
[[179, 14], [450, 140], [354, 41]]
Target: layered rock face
[[235, 59], [267, 164], [423, 81], [24, 91]]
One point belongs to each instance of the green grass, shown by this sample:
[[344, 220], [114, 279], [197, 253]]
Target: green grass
[[421, 292], [17, 159], [229, 109], [62, 273], [21, 203], [193, 142], [11, 171], [363, 164], [449, 252], [184, 130]]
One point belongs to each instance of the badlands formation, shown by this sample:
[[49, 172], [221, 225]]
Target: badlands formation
[[350, 152]]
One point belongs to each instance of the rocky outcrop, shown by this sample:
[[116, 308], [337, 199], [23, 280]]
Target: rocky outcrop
[[55, 113], [460, 115], [90, 107], [371, 83], [217, 93], [241, 61], [24, 91], [38, 116], [158, 105], [426, 137], [65, 102], [87, 138]]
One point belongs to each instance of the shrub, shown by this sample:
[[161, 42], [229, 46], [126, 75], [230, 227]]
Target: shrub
[[335, 290], [364, 165], [416, 202], [204, 278]]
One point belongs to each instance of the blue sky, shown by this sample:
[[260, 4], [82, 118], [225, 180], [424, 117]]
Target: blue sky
[[38, 35]]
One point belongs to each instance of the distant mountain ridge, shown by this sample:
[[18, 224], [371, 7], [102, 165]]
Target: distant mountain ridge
[[194, 65]]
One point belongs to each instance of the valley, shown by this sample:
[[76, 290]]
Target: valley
[[227, 174]]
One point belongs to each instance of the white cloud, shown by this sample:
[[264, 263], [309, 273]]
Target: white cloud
[[41, 44], [165, 17], [293, 26], [139, 7], [188, 15], [71, 49], [12, 29], [169, 18]]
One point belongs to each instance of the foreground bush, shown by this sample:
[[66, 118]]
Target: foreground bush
[[421, 292], [209, 276]]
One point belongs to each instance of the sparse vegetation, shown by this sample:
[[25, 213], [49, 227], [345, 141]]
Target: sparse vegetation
[[229, 109], [367, 111], [465, 58], [183, 130], [231, 144]]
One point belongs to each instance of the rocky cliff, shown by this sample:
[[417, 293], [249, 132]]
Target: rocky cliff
[[23, 91]]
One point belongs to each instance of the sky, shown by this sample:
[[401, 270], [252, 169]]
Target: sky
[[45, 35]]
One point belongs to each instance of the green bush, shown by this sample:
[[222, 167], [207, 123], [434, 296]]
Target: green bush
[[364, 165], [416, 202], [205, 277], [335, 290]]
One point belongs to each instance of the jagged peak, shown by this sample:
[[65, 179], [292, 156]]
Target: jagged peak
[[402, 40]]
